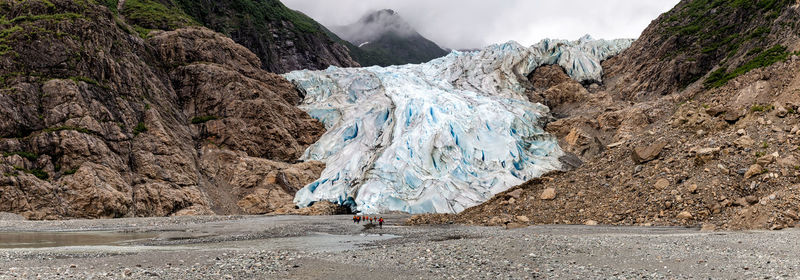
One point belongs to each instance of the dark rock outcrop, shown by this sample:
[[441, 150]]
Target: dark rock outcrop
[[284, 40]]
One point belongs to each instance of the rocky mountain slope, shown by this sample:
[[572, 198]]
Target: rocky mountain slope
[[385, 38], [695, 125], [283, 39], [98, 122]]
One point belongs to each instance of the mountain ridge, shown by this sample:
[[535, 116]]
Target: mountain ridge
[[384, 38]]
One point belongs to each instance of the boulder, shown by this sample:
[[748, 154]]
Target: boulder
[[548, 194], [647, 153], [581, 141], [744, 142], [661, 184], [704, 155], [515, 193], [781, 112], [733, 116], [692, 188], [754, 170], [766, 159], [684, 215], [789, 162]]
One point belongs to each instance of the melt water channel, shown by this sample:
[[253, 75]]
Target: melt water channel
[[15, 240]]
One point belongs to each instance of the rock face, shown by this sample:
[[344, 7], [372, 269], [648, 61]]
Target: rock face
[[439, 136], [387, 39], [694, 38], [98, 123], [284, 40]]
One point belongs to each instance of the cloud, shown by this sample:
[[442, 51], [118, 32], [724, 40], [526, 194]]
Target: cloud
[[373, 25], [476, 23]]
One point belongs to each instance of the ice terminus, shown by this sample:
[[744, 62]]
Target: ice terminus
[[437, 137]]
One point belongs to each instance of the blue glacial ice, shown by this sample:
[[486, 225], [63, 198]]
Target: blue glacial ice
[[437, 137]]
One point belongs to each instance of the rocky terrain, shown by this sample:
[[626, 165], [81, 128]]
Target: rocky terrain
[[384, 38], [99, 122], [694, 125], [292, 247]]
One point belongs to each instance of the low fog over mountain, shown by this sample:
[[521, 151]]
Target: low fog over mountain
[[385, 38]]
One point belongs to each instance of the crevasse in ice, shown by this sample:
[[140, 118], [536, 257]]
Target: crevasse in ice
[[440, 136]]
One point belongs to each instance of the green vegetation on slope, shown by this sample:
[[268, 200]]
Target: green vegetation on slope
[[720, 77], [140, 127], [111, 4], [146, 15], [28, 155], [720, 32], [256, 14], [35, 172]]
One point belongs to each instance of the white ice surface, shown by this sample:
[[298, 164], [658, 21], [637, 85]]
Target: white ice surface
[[437, 137]]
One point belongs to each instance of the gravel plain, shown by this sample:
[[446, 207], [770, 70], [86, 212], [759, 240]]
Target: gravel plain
[[332, 247]]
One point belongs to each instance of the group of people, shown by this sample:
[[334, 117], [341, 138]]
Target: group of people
[[367, 219]]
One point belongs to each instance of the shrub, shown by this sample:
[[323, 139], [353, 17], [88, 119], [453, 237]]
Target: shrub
[[87, 80], [28, 155], [766, 58], [140, 127], [39, 174], [761, 108], [36, 172]]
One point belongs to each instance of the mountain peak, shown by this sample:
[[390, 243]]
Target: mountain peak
[[385, 38], [374, 25], [381, 13]]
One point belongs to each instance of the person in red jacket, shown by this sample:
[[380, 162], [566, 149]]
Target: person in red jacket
[[380, 222]]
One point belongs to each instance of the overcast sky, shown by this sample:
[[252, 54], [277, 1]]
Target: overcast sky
[[463, 24]]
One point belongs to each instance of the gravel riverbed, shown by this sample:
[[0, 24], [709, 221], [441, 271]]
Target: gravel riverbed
[[332, 247]]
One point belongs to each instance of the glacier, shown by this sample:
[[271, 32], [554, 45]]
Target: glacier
[[441, 136]]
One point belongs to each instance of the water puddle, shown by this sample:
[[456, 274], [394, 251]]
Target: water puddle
[[11, 240]]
